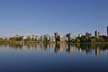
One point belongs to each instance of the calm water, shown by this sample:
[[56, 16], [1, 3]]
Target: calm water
[[53, 58]]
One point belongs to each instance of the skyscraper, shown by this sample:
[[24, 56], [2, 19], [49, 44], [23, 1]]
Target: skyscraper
[[97, 34], [107, 30], [57, 37]]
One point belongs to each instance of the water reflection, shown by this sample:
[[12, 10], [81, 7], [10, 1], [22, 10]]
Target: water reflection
[[60, 47]]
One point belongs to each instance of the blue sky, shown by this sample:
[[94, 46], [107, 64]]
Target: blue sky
[[49, 16]]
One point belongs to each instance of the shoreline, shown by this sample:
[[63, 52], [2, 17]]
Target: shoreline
[[39, 42]]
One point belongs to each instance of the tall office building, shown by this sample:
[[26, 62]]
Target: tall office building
[[107, 30], [57, 37], [97, 34], [68, 36]]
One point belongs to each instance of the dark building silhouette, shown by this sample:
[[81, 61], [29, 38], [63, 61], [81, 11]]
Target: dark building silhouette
[[68, 36], [107, 30], [57, 37], [88, 34]]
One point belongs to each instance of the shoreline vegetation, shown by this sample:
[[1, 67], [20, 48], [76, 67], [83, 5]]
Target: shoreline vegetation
[[39, 42], [57, 39]]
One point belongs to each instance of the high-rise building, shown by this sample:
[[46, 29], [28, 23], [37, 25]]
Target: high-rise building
[[68, 36], [107, 30], [97, 34], [88, 34], [57, 37]]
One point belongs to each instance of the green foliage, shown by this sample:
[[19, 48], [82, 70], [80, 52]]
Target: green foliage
[[83, 39], [77, 40], [1, 38], [92, 39]]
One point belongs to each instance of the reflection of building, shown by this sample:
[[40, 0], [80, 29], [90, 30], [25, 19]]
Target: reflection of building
[[60, 47], [97, 52], [71, 48], [97, 34], [57, 47]]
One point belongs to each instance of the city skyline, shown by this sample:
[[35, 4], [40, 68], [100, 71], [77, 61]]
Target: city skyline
[[96, 33], [49, 16]]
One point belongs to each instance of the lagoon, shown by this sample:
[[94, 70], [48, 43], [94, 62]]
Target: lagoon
[[53, 57]]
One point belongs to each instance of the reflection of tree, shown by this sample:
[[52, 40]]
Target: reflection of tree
[[57, 47], [19, 46], [69, 46], [4, 44], [86, 47], [45, 46], [89, 47]]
